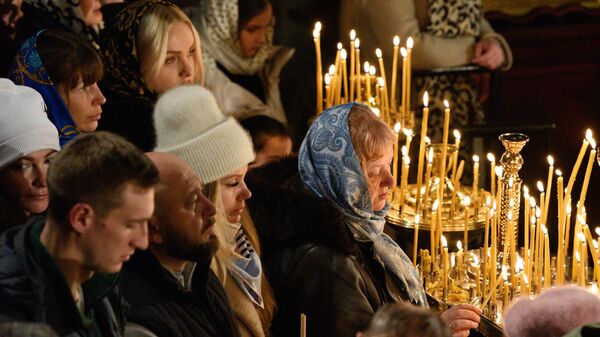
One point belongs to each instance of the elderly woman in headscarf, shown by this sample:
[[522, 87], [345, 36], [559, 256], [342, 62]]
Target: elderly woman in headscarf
[[242, 64], [321, 220]]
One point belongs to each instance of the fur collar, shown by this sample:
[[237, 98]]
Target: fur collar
[[286, 214]]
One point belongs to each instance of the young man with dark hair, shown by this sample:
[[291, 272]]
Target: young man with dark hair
[[170, 287], [271, 139], [61, 270]]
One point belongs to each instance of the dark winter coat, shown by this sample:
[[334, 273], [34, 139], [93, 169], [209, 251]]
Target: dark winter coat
[[315, 265], [158, 303], [32, 289]]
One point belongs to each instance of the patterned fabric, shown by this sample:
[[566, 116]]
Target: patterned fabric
[[243, 245], [122, 73], [67, 13], [29, 70], [454, 18], [329, 167], [217, 24]]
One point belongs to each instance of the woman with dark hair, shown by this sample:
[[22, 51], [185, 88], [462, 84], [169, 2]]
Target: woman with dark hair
[[27, 142], [321, 219], [242, 64], [65, 70]]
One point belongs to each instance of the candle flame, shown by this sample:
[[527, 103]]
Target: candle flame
[[538, 212], [357, 43], [430, 156], [504, 273], [550, 160], [558, 172], [588, 134], [409, 42], [488, 201], [377, 112], [417, 219], [316, 34], [396, 40], [344, 54], [378, 53], [407, 132], [499, 171], [456, 135], [403, 52], [519, 265], [595, 244], [366, 67], [509, 215], [581, 219], [593, 143], [525, 192], [397, 127], [475, 158], [318, 26], [435, 206], [490, 157], [340, 46], [532, 202], [577, 257], [459, 245], [372, 70], [404, 150], [444, 241], [446, 104], [475, 261], [525, 279], [597, 230], [544, 229], [380, 82], [466, 201], [331, 70], [406, 160], [568, 208], [352, 35], [540, 186], [327, 79], [426, 99], [581, 237], [533, 220]]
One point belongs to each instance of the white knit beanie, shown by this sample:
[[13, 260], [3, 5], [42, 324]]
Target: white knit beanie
[[189, 124], [24, 125]]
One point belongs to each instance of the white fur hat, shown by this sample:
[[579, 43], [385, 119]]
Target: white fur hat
[[189, 124], [24, 125]]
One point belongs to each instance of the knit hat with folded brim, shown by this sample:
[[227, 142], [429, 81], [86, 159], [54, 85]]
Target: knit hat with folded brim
[[189, 124], [24, 125]]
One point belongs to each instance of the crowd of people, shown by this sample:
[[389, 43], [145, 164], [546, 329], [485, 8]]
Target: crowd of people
[[148, 185]]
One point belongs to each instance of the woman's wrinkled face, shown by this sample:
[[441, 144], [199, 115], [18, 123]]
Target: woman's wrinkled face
[[91, 11], [379, 177], [179, 66], [85, 105], [24, 181], [234, 194], [253, 35]]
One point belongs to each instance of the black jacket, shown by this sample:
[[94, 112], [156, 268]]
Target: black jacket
[[314, 264], [33, 291], [158, 304]]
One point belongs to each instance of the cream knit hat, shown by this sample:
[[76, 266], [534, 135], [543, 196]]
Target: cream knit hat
[[24, 125], [189, 124]]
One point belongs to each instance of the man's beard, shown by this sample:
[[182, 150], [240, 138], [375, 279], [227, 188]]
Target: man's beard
[[180, 247]]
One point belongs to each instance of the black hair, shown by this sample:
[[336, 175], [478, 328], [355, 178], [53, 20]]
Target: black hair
[[261, 127], [247, 9]]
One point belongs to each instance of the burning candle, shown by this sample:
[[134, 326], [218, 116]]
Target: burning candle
[[396, 42], [547, 275], [352, 66], [492, 160], [395, 162], [588, 136], [455, 157], [445, 262], [344, 56], [367, 80], [432, 234], [475, 192], [379, 55], [404, 178], [317, 40], [404, 80], [416, 239], [442, 172], [358, 96], [588, 172], [548, 187], [409, 46], [327, 90], [422, 148], [459, 257]]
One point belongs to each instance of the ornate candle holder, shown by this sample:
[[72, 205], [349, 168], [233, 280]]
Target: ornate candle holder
[[510, 191]]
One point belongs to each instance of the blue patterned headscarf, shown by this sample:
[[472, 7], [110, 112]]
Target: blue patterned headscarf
[[29, 70], [330, 168]]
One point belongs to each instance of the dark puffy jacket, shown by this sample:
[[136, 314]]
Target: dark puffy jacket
[[315, 265], [28, 294], [158, 304]]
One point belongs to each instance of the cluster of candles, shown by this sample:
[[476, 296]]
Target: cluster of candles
[[358, 82], [494, 274]]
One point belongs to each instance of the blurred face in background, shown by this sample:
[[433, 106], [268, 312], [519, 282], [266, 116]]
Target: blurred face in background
[[254, 35], [91, 11]]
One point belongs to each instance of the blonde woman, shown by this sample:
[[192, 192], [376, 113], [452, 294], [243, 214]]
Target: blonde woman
[[190, 125], [151, 47]]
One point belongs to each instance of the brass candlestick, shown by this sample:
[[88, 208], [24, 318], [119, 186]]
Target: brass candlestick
[[510, 193]]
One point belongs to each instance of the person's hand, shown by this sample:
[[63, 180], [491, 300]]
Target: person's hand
[[488, 53], [461, 318]]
